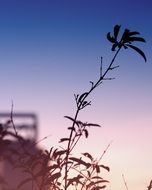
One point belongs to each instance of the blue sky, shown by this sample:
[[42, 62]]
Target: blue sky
[[50, 50]]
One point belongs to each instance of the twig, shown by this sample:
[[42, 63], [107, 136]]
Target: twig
[[105, 151], [125, 183], [37, 142], [12, 121], [150, 185], [101, 66]]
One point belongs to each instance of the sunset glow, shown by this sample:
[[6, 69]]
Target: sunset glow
[[50, 50]]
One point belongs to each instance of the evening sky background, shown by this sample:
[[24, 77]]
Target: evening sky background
[[51, 49]]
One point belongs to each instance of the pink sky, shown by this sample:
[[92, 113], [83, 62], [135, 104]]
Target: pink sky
[[50, 50]]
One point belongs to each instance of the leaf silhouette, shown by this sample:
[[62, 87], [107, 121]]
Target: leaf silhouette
[[75, 179], [88, 155], [99, 187], [138, 51], [93, 125], [63, 139], [73, 120], [97, 169], [70, 118], [55, 166], [125, 36], [116, 30], [53, 177], [59, 153], [86, 133], [105, 167], [92, 183], [139, 39], [110, 38], [79, 161], [82, 96], [71, 128], [97, 177], [89, 174], [133, 33]]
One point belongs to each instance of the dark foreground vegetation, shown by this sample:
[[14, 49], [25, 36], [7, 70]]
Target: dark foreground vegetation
[[57, 169]]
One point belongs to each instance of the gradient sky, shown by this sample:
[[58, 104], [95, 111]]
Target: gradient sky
[[51, 49]]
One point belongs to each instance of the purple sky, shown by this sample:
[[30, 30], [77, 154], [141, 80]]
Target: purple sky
[[50, 50]]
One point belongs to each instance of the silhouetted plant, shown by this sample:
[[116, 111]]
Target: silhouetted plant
[[58, 168], [125, 41]]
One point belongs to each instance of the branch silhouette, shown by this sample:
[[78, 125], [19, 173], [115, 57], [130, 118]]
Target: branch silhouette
[[127, 39]]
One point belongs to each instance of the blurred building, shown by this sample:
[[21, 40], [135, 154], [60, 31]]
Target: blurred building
[[17, 151]]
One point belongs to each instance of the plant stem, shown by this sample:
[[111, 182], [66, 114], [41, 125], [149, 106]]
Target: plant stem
[[80, 107], [68, 148]]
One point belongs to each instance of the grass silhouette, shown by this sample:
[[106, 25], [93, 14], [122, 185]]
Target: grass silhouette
[[58, 168]]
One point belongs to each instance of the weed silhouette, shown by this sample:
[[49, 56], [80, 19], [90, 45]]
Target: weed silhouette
[[58, 168]]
